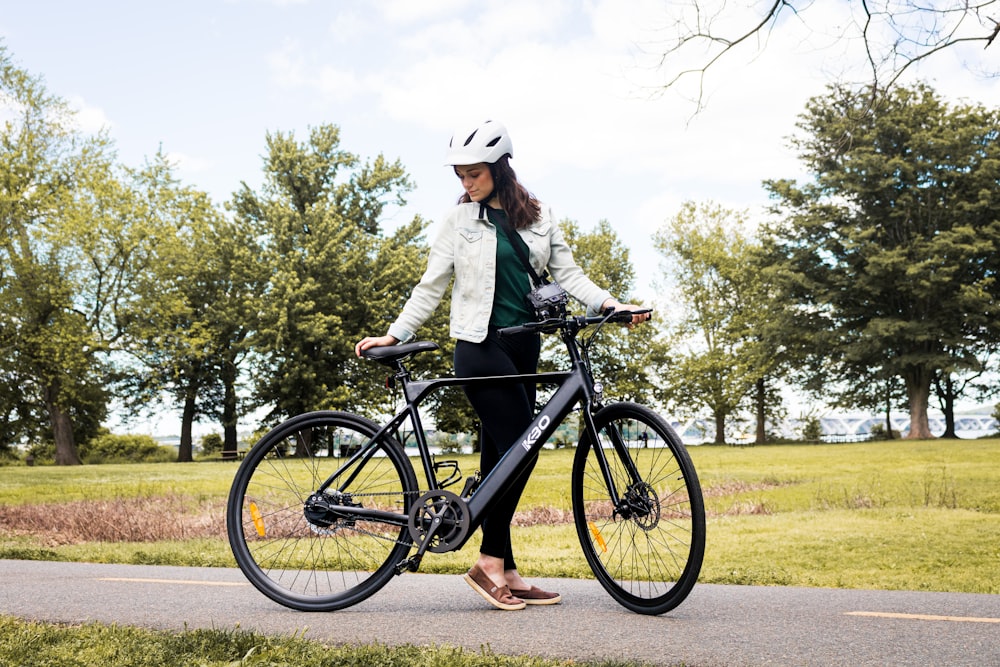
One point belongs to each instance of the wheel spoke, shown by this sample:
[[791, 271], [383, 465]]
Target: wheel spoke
[[646, 546], [318, 560]]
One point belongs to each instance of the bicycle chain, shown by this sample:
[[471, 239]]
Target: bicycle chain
[[361, 531]]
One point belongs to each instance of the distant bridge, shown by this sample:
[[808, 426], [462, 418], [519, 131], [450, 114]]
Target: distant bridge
[[836, 427]]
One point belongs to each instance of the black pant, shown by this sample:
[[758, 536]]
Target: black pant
[[505, 413]]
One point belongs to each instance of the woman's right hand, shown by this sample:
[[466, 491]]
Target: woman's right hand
[[374, 341]]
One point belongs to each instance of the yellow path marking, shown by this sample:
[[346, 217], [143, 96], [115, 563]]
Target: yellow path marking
[[173, 581], [924, 617]]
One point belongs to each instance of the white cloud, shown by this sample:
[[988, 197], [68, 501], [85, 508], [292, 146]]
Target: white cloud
[[190, 164], [90, 119], [409, 11]]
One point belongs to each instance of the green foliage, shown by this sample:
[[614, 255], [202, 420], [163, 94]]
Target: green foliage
[[720, 348], [812, 429], [43, 452], [194, 305], [108, 448], [621, 358], [112, 448], [211, 443], [57, 196], [890, 254], [449, 443], [80, 236], [331, 277]]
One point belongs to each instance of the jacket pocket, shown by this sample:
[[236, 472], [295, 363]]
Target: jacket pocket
[[468, 262], [470, 235], [540, 228]]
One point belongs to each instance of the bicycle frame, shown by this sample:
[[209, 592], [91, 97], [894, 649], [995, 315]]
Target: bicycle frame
[[575, 386], [639, 515]]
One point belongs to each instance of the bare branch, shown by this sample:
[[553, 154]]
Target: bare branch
[[895, 34]]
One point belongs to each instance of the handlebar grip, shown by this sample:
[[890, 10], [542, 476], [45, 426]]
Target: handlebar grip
[[510, 331], [624, 316]]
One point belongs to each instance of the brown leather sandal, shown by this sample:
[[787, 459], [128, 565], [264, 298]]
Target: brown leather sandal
[[498, 596]]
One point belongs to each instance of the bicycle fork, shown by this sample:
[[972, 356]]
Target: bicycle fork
[[628, 506]]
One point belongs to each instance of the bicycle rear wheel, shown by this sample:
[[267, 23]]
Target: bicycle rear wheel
[[646, 550], [287, 545]]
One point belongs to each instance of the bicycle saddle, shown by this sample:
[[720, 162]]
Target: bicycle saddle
[[389, 354]]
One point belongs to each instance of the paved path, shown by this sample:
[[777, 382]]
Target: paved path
[[716, 625]]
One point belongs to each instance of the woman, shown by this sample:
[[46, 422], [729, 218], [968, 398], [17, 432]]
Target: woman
[[474, 245]]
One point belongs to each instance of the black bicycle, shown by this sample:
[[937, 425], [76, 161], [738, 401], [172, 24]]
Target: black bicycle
[[326, 507]]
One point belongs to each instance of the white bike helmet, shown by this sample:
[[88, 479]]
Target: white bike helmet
[[487, 142]]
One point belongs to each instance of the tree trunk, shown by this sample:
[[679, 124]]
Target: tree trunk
[[720, 428], [761, 412], [918, 391], [889, 435], [62, 430], [62, 433], [947, 394], [186, 449], [230, 445]]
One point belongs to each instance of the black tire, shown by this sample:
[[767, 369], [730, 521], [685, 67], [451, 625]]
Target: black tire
[[650, 558], [318, 566]]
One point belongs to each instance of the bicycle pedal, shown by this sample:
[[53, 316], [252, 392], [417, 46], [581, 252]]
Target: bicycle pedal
[[411, 564]]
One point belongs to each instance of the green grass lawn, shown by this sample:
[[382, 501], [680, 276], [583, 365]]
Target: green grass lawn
[[46, 644], [902, 515]]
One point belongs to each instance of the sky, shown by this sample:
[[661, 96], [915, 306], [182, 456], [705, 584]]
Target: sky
[[579, 85]]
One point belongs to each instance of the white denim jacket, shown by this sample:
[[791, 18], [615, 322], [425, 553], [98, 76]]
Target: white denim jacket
[[466, 247]]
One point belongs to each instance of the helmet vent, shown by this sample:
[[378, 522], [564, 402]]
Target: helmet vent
[[488, 142]]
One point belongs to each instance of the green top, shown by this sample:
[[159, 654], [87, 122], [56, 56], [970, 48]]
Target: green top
[[512, 283]]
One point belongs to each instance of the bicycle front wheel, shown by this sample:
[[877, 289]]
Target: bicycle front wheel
[[645, 540], [293, 549]]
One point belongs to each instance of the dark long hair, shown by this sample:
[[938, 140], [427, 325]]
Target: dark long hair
[[523, 210]]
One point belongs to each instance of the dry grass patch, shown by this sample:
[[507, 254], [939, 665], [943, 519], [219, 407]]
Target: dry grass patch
[[177, 517], [154, 519], [542, 516], [738, 506]]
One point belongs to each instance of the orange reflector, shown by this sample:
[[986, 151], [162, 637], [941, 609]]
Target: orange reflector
[[258, 520], [597, 536]]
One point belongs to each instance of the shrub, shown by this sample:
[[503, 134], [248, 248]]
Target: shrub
[[812, 429], [211, 443], [112, 448], [449, 444], [42, 452]]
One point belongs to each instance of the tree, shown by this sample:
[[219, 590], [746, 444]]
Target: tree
[[891, 254], [71, 235], [197, 305], [622, 359], [893, 35], [332, 276], [711, 259], [949, 386]]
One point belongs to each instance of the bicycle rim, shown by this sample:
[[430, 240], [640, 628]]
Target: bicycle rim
[[646, 552], [301, 562]]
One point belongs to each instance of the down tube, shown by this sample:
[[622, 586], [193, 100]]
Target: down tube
[[517, 458]]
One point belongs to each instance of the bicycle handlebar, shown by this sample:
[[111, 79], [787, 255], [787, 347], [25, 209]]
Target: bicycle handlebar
[[554, 323]]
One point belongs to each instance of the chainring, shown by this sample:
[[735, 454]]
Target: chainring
[[449, 511]]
